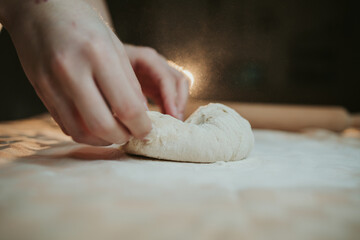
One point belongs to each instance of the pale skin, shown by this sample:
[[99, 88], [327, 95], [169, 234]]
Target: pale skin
[[92, 84]]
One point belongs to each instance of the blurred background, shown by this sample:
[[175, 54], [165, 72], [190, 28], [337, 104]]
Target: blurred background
[[299, 52]]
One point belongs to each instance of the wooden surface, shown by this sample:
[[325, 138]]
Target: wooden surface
[[293, 186], [288, 117]]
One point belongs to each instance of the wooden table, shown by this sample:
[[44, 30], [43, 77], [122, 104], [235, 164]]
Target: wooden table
[[293, 186]]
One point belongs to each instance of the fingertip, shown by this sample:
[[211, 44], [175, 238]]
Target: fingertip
[[137, 121], [169, 104], [145, 134], [171, 109]]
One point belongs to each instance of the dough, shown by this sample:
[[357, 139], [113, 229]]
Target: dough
[[212, 133]]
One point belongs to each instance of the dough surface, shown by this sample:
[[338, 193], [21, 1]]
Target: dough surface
[[212, 133]]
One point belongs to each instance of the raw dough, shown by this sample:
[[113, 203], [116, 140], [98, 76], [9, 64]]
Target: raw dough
[[212, 133]]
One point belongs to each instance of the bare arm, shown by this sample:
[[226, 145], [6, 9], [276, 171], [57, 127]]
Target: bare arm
[[79, 69], [11, 9], [83, 73]]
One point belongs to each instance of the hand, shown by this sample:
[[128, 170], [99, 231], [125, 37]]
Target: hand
[[81, 71], [161, 82]]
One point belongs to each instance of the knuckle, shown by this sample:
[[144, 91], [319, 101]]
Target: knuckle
[[129, 112], [94, 47], [101, 127], [60, 67], [57, 62]]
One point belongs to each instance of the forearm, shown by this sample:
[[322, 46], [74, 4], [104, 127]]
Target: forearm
[[5, 11], [11, 10]]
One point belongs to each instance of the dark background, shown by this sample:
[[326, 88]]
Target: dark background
[[303, 52]]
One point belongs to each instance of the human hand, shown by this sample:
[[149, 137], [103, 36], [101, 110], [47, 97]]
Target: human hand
[[165, 85], [80, 70]]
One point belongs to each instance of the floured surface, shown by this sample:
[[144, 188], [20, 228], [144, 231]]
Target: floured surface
[[292, 186]]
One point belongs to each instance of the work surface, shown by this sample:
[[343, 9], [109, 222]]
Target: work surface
[[293, 186]]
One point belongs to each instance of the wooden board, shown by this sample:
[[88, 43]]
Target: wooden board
[[293, 186]]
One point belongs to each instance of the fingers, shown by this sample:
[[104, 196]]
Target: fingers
[[97, 116], [182, 87], [173, 88], [167, 86], [57, 119], [168, 92], [182, 96], [104, 96], [66, 115], [128, 69], [51, 109], [162, 77], [121, 96]]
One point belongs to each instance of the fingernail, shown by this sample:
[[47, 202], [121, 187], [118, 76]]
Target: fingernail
[[181, 116], [174, 110]]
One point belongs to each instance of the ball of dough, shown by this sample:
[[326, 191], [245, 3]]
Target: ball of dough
[[212, 133]]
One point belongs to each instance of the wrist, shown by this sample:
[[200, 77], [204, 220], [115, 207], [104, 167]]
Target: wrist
[[3, 11], [10, 11]]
